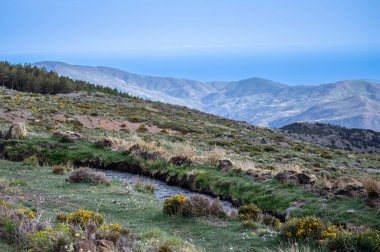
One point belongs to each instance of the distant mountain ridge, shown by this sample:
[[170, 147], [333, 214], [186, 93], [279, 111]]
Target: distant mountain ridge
[[351, 103]]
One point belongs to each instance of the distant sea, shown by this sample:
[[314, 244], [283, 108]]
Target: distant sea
[[292, 69]]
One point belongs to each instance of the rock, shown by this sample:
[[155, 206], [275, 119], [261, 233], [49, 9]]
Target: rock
[[113, 142], [85, 245], [147, 155], [17, 131], [68, 136], [105, 246], [180, 160], [296, 177], [225, 165], [350, 211], [304, 178], [349, 187]]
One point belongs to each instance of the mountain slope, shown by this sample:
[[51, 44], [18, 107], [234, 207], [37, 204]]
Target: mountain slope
[[357, 140], [352, 103]]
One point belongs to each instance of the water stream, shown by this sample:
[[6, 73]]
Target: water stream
[[164, 191]]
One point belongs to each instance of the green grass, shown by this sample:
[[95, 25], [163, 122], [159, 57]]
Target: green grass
[[269, 194], [48, 193]]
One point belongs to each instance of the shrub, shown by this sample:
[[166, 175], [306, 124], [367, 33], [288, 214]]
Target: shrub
[[27, 212], [83, 217], [4, 183], [31, 160], [112, 232], [201, 206], [195, 206], [87, 175], [61, 169], [372, 187], [142, 129], [17, 131], [62, 217], [304, 228], [363, 240], [174, 204], [271, 221], [249, 212]]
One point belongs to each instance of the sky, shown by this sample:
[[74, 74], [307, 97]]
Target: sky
[[294, 41]]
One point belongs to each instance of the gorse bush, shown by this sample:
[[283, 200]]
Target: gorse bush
[[82, 217], [304, 228], [331, 237], [249, 212], [341, 240], [174, 204]]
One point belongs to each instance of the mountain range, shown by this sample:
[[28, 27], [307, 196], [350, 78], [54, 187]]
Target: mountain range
[[350, 103]]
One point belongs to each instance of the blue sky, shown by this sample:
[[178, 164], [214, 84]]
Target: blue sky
[[292, 41]]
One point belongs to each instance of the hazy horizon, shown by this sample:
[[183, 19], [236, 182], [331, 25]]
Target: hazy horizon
[[294, 42]]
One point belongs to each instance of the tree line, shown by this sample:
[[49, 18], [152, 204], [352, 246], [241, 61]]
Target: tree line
[[28, 78]]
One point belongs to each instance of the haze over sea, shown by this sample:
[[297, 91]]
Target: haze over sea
[[296, 42]]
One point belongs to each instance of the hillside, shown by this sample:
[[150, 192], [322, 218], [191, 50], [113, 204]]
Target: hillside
[[356, 140], [142, 149], [257, 101]]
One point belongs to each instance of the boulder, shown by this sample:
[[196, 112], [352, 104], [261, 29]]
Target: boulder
[[180, 160], [68, 136], [17, 131], [105, 246], [225, 165], [85, 245]]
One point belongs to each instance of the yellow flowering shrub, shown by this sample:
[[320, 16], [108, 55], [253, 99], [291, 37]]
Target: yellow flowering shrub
[[27, 212], [330, 232], [82, 217], [304, 228], [4, 203], [62, 217], [249, 212], [363, 240], [174, 204]]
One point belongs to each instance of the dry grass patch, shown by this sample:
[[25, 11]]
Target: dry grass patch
[[87, 175], [214, 155], [143, 184], [372, 186], [4, 184]]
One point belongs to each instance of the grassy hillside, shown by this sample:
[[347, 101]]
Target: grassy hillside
[[138, 136]]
